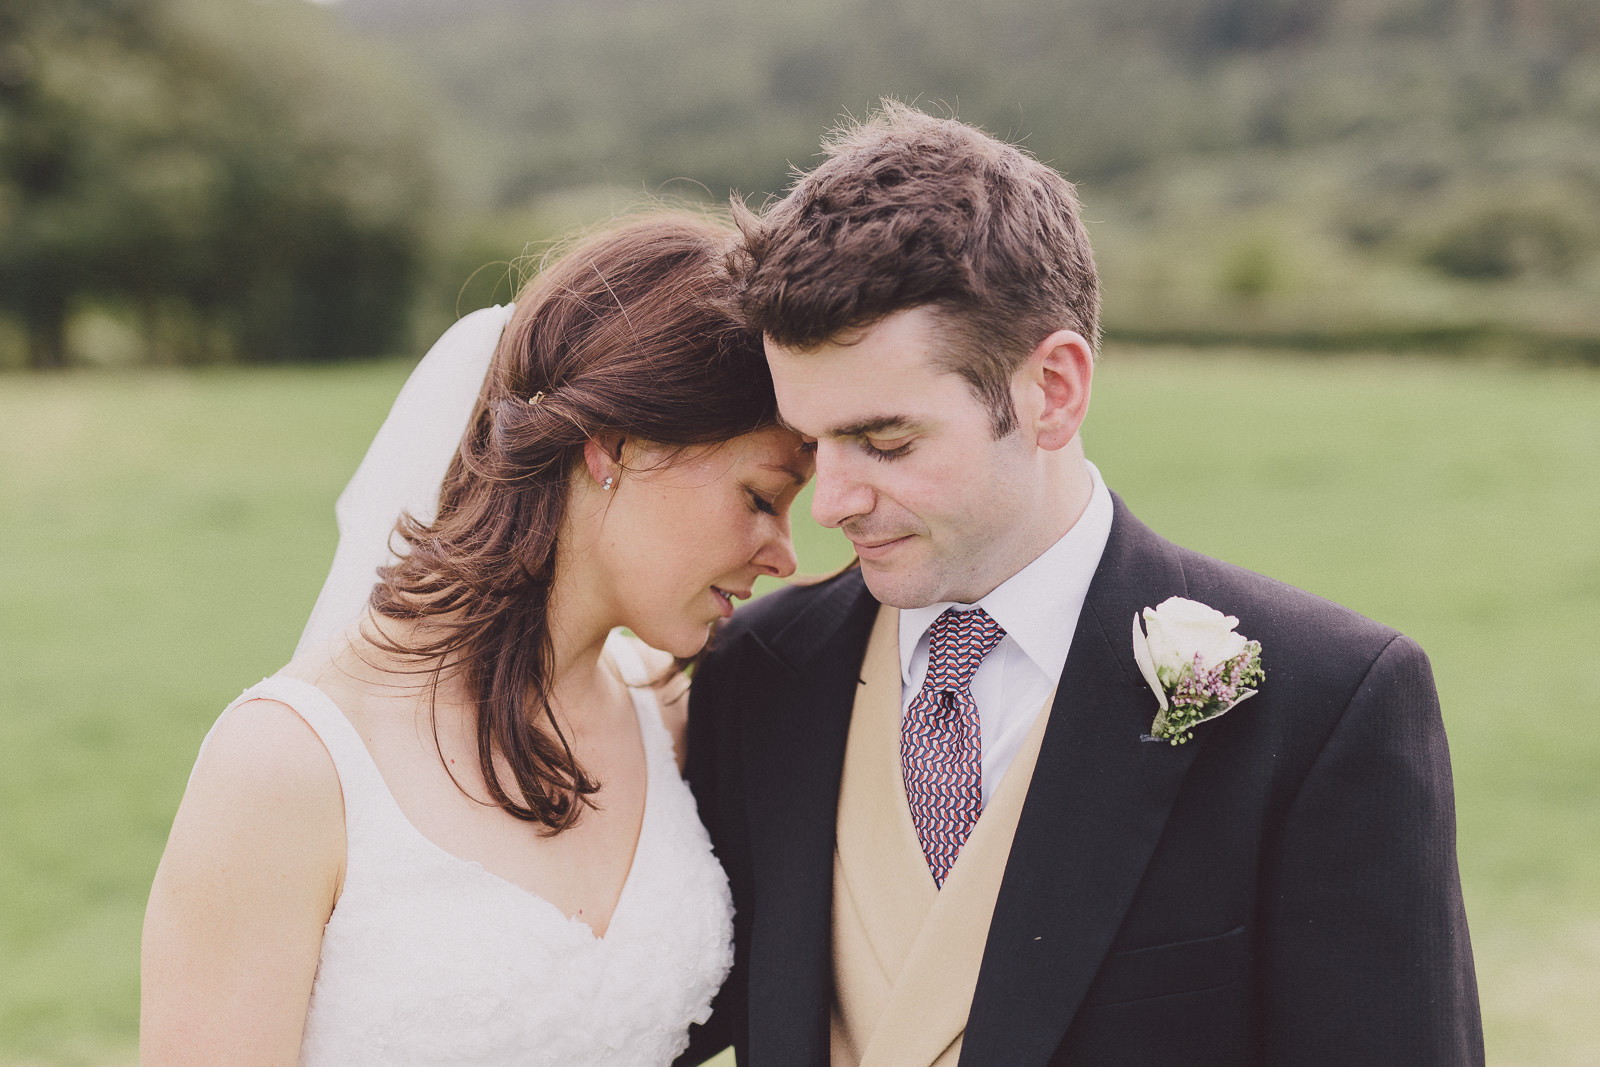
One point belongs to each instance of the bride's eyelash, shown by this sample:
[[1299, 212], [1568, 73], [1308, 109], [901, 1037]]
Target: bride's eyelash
[[761, 503]]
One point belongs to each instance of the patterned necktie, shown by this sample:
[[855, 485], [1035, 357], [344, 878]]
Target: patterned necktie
[[940, 749]]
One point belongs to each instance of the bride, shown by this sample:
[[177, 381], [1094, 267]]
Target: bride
[[452, 829]]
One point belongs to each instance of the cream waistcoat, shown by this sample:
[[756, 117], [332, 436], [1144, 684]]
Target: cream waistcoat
[[906, 953]]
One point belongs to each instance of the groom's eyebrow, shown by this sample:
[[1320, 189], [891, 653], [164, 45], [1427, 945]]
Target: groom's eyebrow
[[876, 424], [869, 426]]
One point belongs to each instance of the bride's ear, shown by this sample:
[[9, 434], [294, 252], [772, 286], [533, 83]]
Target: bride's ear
[[603, 458]]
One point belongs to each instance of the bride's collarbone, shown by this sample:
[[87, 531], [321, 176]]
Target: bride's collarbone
[[440, 789]]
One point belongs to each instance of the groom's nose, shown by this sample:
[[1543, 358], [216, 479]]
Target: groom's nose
[[841, 492]]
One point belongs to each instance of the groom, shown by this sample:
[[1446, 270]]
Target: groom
[[950, 836]]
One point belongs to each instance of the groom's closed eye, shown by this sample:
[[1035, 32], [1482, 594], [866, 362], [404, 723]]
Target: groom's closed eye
[[887, 450]]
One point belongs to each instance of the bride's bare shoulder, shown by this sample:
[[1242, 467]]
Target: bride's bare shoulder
[[258, 842], [252, 870], [261, 754]]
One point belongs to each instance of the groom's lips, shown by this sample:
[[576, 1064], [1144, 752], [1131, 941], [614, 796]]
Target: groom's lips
[[878, 549]]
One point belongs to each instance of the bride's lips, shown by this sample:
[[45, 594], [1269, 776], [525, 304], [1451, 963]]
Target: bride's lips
[[878, 549], [726, 597]]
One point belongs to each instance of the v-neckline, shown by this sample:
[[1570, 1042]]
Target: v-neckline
[[645, 818]]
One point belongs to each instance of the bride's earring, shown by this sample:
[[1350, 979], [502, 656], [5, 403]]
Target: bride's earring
[[608, 483]]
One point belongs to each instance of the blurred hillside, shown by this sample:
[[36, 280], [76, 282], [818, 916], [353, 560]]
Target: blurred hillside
[[1318, 171], [186, 180]]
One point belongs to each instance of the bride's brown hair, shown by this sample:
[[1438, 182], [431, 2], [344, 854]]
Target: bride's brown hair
[[625, 336]]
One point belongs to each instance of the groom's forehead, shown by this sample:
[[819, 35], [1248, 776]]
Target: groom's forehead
[[872, 402]]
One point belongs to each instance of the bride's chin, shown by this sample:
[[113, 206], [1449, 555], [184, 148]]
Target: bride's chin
[[684, 641], [684, 649]]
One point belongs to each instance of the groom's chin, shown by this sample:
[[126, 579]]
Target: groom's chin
[[896, 588]]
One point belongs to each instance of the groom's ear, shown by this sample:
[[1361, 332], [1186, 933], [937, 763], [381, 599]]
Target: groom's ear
[[1055, 382]]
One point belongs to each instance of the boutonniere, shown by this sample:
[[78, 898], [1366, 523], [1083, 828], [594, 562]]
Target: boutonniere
[[1197, 664]]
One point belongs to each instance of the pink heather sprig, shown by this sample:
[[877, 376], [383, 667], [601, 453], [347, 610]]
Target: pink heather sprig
[[1199, 694]]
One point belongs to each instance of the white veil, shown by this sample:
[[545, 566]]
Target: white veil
[[404, 466]]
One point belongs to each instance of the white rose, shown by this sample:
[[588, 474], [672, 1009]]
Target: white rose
[[1180, 630]]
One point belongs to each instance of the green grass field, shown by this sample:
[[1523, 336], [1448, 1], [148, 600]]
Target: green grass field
[[165, 534]]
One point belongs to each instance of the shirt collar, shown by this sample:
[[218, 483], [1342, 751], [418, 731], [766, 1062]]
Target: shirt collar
[[1031, 605]]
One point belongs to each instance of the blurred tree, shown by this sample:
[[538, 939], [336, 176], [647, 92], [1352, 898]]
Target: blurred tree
[[212, 168], [1506, 241]]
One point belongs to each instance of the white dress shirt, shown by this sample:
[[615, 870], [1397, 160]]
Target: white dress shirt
[[1038, 608]]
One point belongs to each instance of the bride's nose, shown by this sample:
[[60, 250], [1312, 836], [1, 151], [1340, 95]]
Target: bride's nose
[[776, 555]]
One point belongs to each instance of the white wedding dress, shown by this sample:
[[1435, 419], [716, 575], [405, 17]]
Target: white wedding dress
[[431, 959]]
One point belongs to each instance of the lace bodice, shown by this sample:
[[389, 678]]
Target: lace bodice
[[431, 959]]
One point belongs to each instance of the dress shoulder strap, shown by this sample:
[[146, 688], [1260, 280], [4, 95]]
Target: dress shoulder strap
[[623, 651]]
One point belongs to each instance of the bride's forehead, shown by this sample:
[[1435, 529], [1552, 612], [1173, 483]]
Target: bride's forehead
[[776, 450], [775, 447]]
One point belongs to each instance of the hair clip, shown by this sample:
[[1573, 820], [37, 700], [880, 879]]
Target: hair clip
[[536, 397]]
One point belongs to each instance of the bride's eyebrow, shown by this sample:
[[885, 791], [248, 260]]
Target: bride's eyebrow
[[795, 475]]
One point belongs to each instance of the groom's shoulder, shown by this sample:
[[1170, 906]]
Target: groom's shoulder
[[799, 614], [1270, 610], [1287, 618]]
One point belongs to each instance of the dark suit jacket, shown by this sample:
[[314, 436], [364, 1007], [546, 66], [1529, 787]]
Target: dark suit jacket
[[1280, 890]]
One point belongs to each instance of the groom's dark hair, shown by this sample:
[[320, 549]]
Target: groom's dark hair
[[910, 210]]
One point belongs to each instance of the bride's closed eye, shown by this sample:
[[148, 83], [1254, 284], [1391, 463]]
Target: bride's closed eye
[[761, 503]]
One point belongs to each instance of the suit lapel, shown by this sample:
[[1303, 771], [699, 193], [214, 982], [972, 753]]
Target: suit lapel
[[1094, 812], [804, 684]]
